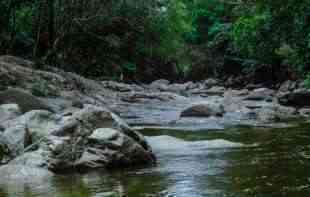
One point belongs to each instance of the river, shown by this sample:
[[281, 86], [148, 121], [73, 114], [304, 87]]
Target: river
[[235, 162]]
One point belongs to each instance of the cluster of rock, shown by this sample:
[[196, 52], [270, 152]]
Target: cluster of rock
[[76, 139], [75, 125], [264, 105]]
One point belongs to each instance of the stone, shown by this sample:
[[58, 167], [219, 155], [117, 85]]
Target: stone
[[203, 110], [305, 112], [24, 100], [298, 98], [261, 94], [210, 83], [9, 111], [216, 91], [288, 86], [95, 138]]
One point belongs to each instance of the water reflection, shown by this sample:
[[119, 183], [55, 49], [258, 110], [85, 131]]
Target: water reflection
[[234, 162]]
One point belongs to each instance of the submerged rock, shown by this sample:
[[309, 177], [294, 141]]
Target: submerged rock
[[9, 111], [298, 98], [204, 110], [24, 100], [261, 94]]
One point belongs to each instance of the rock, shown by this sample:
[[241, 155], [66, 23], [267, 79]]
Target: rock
[[275, 113], [8, 112], [24, 100], [298, 98], [254, 86], [305, 112], [89, 138], [203, 110], [216, 91], [288, 86], [160, 84], [266, 115], [210, 83], [261, 94], [242, 92], [30, 166], [96, 138], [142, 97], [121, 87], [285, 113], [107, 147], [27, 130]]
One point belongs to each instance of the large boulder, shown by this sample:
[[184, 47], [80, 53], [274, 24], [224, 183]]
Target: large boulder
[[273, 113], [89, 138], [25, 100], [26, 130], [204, 110], [31, 166], [298, 98], [9, 111], [288, 86], [96, 138], [261, 94]]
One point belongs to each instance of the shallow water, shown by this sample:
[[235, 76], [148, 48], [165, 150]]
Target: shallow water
[[239, 161]]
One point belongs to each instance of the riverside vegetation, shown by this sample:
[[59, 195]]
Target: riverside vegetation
[[144, 98]]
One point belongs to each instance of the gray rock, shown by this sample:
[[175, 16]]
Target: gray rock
[[216, 91], [305, 112], [161, 84], [29, 166], [107, 147], [204, 110], [210, 83], [261, 94], [26, 130], [8, 112], [24, 100], [288, 86], [95, 138], [275, 113], [298, 98]]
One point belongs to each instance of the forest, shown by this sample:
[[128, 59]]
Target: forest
[[154, 98], [143, 40]]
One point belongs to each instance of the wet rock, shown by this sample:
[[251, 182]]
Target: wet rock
[[261, 94], [254, 86], [161, 84], [210, 83], [107, 147], [143, 96], [8, 112], [298, 98], [29, 166], [305, 112], [121, 87], [96, 138], [275, 113], [26, 130], [216, 91], [24, 100], [288, 86], [204, 110], [89, 138]]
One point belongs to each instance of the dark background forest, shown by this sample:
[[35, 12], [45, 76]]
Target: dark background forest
[[239, 41]]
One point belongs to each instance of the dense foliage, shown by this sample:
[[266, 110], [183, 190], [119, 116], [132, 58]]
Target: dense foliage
[[149, 39]]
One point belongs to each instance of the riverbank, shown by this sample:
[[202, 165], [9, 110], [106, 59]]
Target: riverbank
[[53, 113]]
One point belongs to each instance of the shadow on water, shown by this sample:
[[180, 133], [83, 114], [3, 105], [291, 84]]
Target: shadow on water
[[235, 162]]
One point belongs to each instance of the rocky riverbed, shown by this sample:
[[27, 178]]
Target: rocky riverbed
[[53, 122]]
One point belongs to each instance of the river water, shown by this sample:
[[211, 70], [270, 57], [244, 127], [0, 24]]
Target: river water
[[235, 162]]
